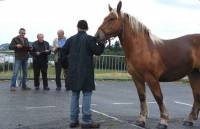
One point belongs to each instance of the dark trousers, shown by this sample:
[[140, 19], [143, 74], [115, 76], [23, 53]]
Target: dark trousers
[[58, 71], [37, 68]]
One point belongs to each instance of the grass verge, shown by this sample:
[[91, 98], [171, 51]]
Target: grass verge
[[99, 74]]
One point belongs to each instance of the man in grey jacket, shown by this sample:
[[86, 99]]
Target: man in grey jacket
[[58, 43]]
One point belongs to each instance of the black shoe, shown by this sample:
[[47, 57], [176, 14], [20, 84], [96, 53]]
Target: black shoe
[[74, 125], [25, 88], [37, 88], [46, 88], [67, 88], [188, 123], [91, 125], [58, 88]]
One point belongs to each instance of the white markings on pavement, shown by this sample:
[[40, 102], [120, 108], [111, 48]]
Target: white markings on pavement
[[127, 103], [41, 107], [151, 102], [115, 118], [101, 113], [91, 105], [182, 103], [122, 103], [94, 104]]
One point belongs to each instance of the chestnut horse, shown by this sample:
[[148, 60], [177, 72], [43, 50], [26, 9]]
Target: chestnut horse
[[153, 60]]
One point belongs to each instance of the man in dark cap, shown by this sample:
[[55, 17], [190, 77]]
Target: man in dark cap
[[79, 50]]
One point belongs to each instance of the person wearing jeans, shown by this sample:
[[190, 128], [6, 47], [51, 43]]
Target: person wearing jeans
[[78, 53], [23, 63], [21, 47], [86, 117]]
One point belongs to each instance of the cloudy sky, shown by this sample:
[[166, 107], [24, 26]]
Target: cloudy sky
[[165, 18]]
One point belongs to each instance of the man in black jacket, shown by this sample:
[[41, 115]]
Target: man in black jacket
[[21, 47], [40, 52], [79, 49]]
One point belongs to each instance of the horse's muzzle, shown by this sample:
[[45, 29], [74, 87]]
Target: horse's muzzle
[[100, 36]]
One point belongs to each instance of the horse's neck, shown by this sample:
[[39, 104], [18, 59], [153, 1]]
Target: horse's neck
[[133, 42]]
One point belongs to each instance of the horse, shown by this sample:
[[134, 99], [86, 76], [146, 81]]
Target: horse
[[153, 60]]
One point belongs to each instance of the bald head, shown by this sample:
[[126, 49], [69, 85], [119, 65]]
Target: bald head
[[60, 34], [40, 37]]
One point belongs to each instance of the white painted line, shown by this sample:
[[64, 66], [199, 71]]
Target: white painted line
[[115, 118], [91, 105], [122, 103], [151, 102], [127, 103], [177, 102], [106, 115], [29, 108]]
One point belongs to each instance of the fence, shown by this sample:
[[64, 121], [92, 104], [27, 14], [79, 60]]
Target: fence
[[102, 63], [110, 62]]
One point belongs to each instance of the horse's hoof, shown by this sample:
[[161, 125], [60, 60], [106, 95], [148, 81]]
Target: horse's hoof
[[140, 123], [188, 123], [162, 126]]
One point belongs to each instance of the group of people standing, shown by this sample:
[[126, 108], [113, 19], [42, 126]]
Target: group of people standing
[[75, 54], [39, 50]]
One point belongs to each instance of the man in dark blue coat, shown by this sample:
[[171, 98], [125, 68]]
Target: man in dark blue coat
[[79, 50]]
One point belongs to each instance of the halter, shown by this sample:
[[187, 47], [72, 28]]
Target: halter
[[118, 33]]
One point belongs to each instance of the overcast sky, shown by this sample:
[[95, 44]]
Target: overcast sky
[[165, 18]]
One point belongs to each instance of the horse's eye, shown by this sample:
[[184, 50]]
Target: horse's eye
[[112, 19]]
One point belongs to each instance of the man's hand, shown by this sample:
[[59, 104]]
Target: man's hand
[[30, 48], [38, 53], [56, 48], [19, 46], [47, 51]]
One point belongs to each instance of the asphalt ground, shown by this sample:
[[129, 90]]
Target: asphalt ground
[[115, 105]]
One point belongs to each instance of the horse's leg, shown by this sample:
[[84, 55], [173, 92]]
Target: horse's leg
[[156, 91], [140, 85], [194, 79]]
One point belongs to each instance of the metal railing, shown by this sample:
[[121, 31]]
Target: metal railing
[[110, 62], [102, 63]]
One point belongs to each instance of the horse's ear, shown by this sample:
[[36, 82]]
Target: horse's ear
[[110, 8], [119, 6]]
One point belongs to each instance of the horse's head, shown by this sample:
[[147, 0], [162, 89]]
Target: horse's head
[[112, 24]]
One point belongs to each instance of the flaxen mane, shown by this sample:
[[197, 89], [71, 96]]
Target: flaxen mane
[[139, 27]]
